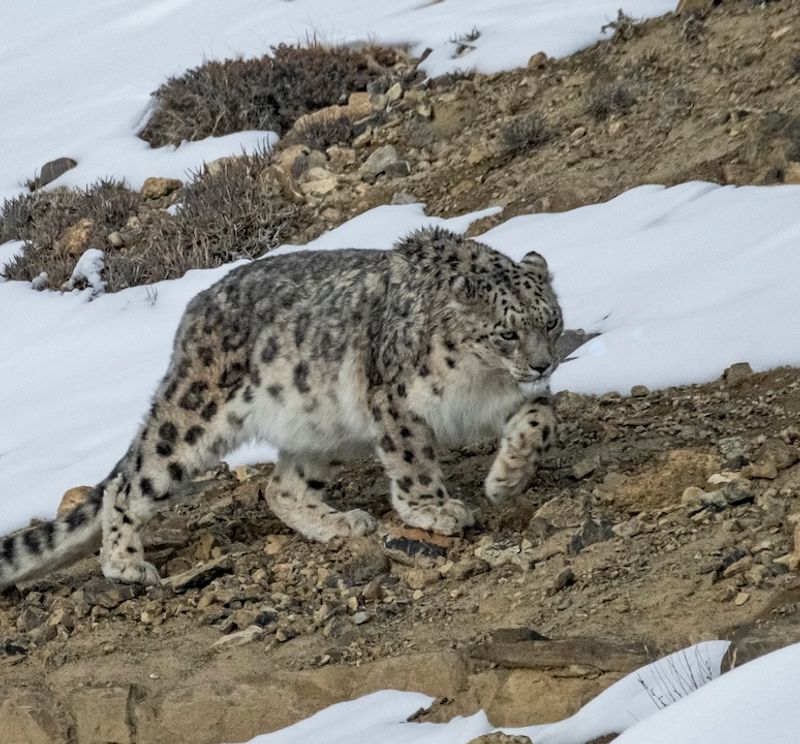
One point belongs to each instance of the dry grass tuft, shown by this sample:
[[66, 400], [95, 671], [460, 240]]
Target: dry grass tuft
[[233, 211], [268, 93]]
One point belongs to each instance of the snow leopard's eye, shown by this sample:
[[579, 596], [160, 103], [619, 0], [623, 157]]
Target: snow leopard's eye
[[553, 324], [509, 335]]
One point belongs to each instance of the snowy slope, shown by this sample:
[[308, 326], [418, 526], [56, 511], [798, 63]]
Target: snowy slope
[[75, 77], [681, 282]]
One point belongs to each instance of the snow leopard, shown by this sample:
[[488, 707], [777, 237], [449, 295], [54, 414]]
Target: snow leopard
[[331, 356]]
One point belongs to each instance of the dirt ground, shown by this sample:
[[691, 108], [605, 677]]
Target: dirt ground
[[608, 548]]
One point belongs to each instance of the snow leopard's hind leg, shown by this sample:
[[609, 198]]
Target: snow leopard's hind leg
[[295, 494], [527, 436], [186, 433]]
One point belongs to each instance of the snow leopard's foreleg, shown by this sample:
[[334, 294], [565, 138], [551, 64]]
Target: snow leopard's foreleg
[[527, 436]]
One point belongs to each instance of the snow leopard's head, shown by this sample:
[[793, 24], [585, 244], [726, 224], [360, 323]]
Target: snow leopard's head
[[511, 316]]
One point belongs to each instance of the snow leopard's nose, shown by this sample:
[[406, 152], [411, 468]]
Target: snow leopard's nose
[[541, 369]]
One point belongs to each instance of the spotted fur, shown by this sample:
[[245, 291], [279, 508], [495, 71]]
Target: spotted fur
[[329, 356]]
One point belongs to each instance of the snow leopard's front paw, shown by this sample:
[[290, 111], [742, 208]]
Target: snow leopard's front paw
[[139, 572], [448, 518], [505, 481], [353, 523]]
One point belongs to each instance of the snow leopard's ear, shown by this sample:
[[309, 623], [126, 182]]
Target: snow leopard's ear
[[462, 289], [535, 263]]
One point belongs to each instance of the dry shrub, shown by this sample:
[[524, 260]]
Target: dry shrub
[[524, 133], [624, 27], [322, 133], [232, 212], [268, 93], [608, 98], [44, 215]]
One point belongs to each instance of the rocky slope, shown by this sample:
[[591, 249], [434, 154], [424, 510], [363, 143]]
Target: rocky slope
[[664, 517]]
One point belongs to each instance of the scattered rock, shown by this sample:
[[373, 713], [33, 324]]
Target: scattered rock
[[741, 598], [384, 160], [199, 576], [791, 173], [590, 532], [565, 578], [241, 637], [737, 372], [75, 239], [156, 187], [395, 92], [30, 618], [630, 528], [100, 592], [499, 738], [537, 61], [468, 567], [585, 467], [319, 182], [115, 239], [73, 497], [274, 544], [762, 470], [414, 547], [505, 552], [52, 170], [572, 339], [575, 656], [738, 567], [640, 391], [419, 578]]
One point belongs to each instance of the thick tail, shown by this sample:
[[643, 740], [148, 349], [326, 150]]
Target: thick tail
[[36, 551]]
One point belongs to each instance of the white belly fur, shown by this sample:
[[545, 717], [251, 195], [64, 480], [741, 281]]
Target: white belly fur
[[472, 409]]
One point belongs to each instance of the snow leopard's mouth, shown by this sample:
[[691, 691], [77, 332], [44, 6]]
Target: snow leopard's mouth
[[534, 386]]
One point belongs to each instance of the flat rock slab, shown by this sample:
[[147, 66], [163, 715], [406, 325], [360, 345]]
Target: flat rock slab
[[199, 576], [576, 654]]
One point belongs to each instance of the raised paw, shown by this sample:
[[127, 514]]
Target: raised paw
[[131, 573], [502, 483], [448, 518]]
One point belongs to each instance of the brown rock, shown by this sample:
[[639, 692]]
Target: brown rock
[[52, 170], [792, 173], [156, 187], [737, 372], [100, 592], [102, 714], [75, 239], [419, 578], [500, 738], [763, 470], [537, 61], [31, 717], [738, 567], [215, 167], [73, 497], [358, 107], [199, 576], [572, 656], [240, 638]]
